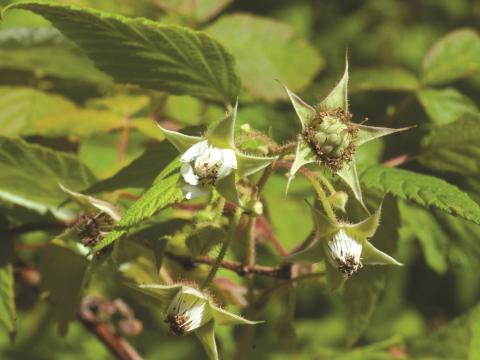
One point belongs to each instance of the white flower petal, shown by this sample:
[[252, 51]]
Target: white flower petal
[[195, 151], [229, 158], [188, 174]]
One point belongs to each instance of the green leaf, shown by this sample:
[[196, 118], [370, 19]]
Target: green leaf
[[268, 50], [26, 111], [428, 232], [383, 79], [445, 240], [196, 11], [424, 190], [30, 174], [141, 172], [454, 147], [64, 291], [21, 107], [7, 298], [143, 52], [162, 193], [46, 52], [454, 340], [444, 106], [454, 56]]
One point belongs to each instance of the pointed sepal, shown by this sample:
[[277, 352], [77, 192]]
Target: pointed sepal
[[338, 97], [163, 293], [304, 111], [91, 204], [181, 141], [222, 134], [350, 176], [224, 317], [372, 256], [206, 336], [324, 226], [227, 188], [366, 228], [303, 156], [249, 164], [311, 255], [368, 133]]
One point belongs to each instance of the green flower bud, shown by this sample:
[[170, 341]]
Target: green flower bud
[[330, 134]]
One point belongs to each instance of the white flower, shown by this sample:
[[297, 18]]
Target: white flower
[[344, 253], [203, 165], [188, 311]]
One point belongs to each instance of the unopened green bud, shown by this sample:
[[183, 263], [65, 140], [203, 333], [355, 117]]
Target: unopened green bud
[[339, 200], [331, 136]]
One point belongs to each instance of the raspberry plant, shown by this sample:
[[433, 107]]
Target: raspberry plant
[[162, 195]]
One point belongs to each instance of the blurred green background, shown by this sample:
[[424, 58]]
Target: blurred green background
[[411, 63]]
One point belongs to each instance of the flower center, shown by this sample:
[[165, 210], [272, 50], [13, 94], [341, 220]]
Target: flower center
[[345, 253], [92, 228], [330, 135], [206, 173]]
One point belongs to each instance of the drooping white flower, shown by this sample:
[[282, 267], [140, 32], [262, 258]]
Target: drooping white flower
[[344, 253], [345, 247], [188, 311], [203, 165]]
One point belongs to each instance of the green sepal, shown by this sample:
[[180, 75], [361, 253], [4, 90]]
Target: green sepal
[[163, 293], [311, 255], [368, 133], [350, 176], [224, 317], [372, 256], [335, 279], [249, 164], [303, 156], [222, 134], [91, 204], [206, 336], [227, 188], [366, 228], [338, 97], [324, 226], [181, 141], [304, 111]]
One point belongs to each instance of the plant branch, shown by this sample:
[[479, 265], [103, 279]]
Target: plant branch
[[104, 331], [279, 272]]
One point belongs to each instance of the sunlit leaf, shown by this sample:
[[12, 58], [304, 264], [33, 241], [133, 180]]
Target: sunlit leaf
[[452, 57], [424, 190], [268, 50], [454, 147], [444, 106], [30, 174], [139, 51]]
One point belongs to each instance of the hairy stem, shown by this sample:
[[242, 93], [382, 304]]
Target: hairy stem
[[223, 250], [323, 198]]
